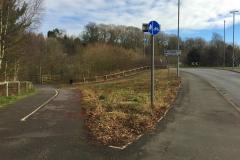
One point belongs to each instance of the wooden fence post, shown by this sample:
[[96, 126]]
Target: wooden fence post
[[26, 86], [19, 88], [7, 94]]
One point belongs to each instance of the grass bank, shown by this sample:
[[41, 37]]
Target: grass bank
[[236, 69], [118, 112], [4, 101]]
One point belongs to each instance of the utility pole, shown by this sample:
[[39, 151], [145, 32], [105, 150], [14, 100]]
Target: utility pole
[[178, 57], [224, 52], [233, 55]]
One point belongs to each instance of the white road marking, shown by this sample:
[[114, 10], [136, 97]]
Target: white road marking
[[40, 107]]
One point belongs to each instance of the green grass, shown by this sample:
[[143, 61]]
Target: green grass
[[119, 111], [4, 101], [237, 69]]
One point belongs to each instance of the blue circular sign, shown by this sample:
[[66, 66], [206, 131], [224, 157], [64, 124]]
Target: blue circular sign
[[154, 28]]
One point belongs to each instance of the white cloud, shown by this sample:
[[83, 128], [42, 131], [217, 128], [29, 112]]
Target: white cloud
[[72, 15]]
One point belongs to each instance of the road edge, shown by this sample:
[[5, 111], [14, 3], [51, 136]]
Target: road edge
[[223, 69]]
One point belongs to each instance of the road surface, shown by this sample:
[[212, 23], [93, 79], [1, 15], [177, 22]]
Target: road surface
[[226, 82], [201, 126]]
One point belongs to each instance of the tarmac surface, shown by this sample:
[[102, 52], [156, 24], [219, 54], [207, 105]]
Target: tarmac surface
[[202, 125], [226, 82]]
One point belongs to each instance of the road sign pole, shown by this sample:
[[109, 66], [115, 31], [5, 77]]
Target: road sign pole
[[153, 28], [144, 45], [152, 73]]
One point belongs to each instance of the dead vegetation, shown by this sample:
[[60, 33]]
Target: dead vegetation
[[118, 112]]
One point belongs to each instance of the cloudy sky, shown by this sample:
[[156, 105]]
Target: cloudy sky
[[198, 17]]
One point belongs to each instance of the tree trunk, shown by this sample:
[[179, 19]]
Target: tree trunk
[[40, 73], [1, 34], [5, 72], [16, 70]]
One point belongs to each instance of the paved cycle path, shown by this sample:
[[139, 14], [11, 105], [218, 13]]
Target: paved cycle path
[[202, 125]]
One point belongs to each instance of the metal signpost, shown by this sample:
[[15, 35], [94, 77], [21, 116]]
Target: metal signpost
[[172, 53], [153, 28]]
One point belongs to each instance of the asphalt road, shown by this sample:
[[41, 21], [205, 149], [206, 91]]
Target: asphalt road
[[201, 126], [226, 82]]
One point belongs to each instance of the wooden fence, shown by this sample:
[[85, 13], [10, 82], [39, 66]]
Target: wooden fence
[[114, 76], [14, 88], [47, 79]]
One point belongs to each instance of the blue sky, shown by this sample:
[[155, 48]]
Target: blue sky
[[199, 18], [207, 33]]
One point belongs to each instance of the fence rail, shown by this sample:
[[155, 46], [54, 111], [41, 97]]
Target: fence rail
[[114, 76], [46, 79], [14, 88]]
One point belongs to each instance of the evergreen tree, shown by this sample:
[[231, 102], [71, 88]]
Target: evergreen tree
[[16, 17]]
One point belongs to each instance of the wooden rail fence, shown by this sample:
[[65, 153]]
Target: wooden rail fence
[[46, 79], [114, 76], [14, 88]]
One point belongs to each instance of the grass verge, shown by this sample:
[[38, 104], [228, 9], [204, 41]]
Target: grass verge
[[4, 101], [236, 69], [118, 112]]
